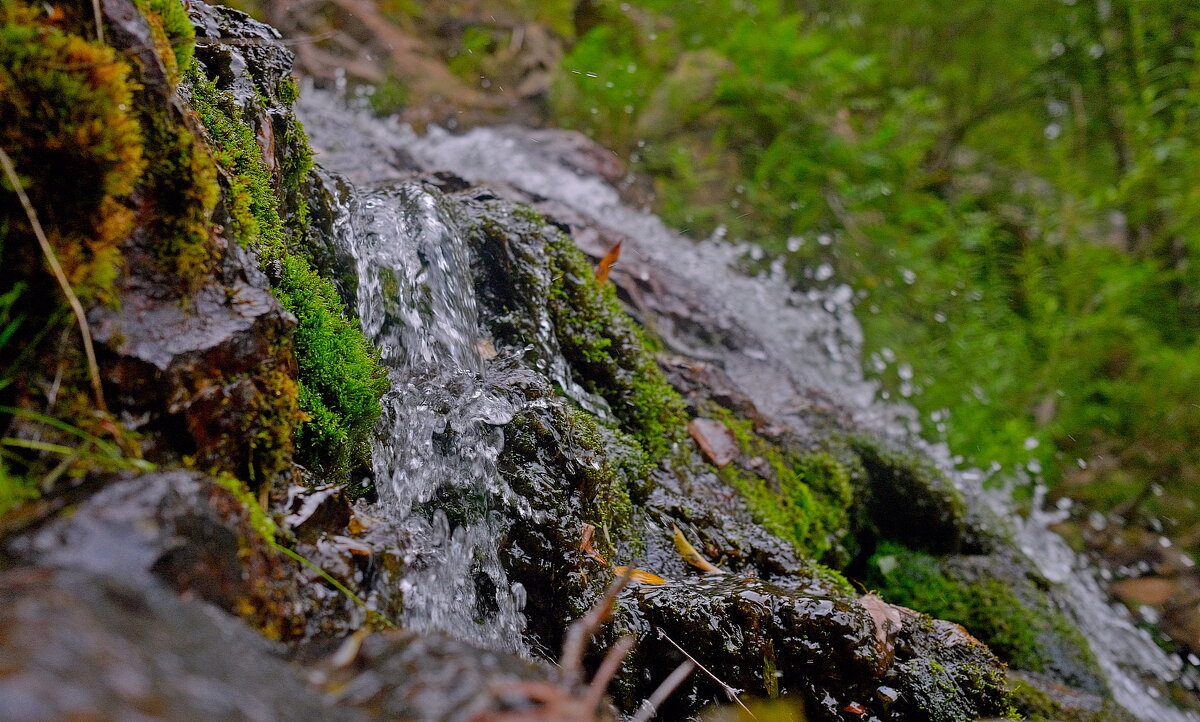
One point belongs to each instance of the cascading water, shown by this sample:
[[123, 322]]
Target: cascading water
[[804, 340], [439, 436]]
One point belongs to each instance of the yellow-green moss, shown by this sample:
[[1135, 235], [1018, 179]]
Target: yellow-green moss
[[66, 120], [174, 35], [260, 520], [341, 379], [802, 498]]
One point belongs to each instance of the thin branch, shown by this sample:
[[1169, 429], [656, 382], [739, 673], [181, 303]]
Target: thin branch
[[571, 658], [728, 690], [608, 669], [99, 20], [651, 704], [76, 306]]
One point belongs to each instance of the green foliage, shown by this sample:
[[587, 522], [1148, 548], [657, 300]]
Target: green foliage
[[341, 379], [390, 96], [52, 449], [1012, 193]]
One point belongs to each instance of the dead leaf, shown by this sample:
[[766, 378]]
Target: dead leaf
[[888, 623], [715, 439], [586, 540], [855, 708], [604, 267], [693, 557], [637, 575]]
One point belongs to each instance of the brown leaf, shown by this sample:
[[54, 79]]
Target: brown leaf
[[637, 575], [693, 557], [715, 440], [604, 267], [888, 622], [586, 539]]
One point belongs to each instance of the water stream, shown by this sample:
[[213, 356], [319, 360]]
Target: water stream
[[412, 269], [440, 433]]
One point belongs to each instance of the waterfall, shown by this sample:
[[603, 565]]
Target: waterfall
[[434, 461]]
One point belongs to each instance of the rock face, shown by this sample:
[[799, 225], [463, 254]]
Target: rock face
[[81, 646], [739, 524]]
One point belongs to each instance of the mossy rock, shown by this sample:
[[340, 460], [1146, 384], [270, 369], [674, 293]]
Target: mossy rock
[[340, 376], [538, 290], [997, 601], [915, 503]]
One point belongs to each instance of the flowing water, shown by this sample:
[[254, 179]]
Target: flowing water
[[435, 462], [803, 340]]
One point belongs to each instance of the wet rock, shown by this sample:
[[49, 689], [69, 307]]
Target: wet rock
[[573, 150], [246, 55], [1041, 697], [822, 647], [201, 370], [178, 528], [401, 675], [79, 646]]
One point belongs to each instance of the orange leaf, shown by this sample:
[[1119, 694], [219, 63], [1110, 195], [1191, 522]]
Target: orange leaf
[[855, 708], [637, 575], [693, 557], [604, 267]]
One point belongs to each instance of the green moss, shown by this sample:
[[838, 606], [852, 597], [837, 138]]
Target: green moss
[[341, 379], [608, 353], [173, 32], [802, 498], [340, 376], [1027, 633], [260, 521]]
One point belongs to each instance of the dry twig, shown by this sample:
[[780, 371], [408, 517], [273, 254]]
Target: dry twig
[[728, 690], [48, 251]]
